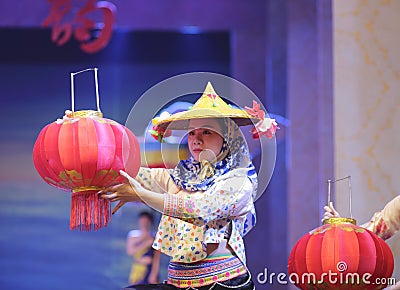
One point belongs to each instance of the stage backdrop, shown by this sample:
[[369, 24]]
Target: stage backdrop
[[37, 249], [367, 106]]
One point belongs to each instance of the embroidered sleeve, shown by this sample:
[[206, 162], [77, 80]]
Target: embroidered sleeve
[[386, 222], [156, 179], [229, 198]]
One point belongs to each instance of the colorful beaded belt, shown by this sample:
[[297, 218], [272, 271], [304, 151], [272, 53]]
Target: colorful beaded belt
[[210, 270]]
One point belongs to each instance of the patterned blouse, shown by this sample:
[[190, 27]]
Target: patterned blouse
[[190, 220]]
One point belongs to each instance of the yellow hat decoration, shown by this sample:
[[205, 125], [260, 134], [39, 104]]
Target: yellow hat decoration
[[210, 105]]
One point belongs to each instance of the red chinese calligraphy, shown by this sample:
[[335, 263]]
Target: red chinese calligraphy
[[82, 26]]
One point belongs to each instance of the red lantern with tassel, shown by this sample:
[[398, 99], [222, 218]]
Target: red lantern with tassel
[[84, 153], [340, 255]]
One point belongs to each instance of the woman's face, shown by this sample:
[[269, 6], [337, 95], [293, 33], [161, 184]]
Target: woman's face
[[204, 138]]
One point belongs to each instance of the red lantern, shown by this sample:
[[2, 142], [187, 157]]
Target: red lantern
[[354, 256], [84, 153]]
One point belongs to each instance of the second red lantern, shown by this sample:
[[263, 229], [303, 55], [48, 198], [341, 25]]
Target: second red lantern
[[340, 255]]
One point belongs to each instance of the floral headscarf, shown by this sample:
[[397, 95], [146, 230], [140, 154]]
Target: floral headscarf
[[234, 154]]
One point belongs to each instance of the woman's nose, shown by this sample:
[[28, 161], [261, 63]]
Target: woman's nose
[[197, 139]]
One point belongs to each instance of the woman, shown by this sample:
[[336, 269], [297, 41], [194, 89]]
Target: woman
[[138, 245], [207, 200]]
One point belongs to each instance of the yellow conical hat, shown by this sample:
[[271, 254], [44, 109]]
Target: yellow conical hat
[[209, 105]]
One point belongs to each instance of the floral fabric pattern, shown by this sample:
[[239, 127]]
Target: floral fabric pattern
[[206, 217], [232, 198], [180, 240]]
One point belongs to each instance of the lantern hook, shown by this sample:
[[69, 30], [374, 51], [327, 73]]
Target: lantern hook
[[349, 185], [95, 69]]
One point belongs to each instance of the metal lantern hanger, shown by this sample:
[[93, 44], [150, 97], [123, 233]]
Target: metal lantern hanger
[[96, 83], [330, 182]]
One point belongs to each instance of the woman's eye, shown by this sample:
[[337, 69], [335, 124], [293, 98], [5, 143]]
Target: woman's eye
[[206, 132], [191, 133]]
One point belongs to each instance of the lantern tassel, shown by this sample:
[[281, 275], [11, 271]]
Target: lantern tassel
[[88, 211]]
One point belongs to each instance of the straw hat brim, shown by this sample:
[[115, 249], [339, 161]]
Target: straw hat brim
[[180, 120]]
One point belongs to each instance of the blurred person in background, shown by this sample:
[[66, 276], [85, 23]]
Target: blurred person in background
[[138, 245]]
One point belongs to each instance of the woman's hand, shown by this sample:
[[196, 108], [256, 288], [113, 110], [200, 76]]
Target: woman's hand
[[330, 212], [121, 192], [151, 198], [131, 192]]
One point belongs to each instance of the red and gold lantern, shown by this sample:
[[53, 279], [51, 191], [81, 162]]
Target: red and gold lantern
[[340, 255], [84, 153]]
